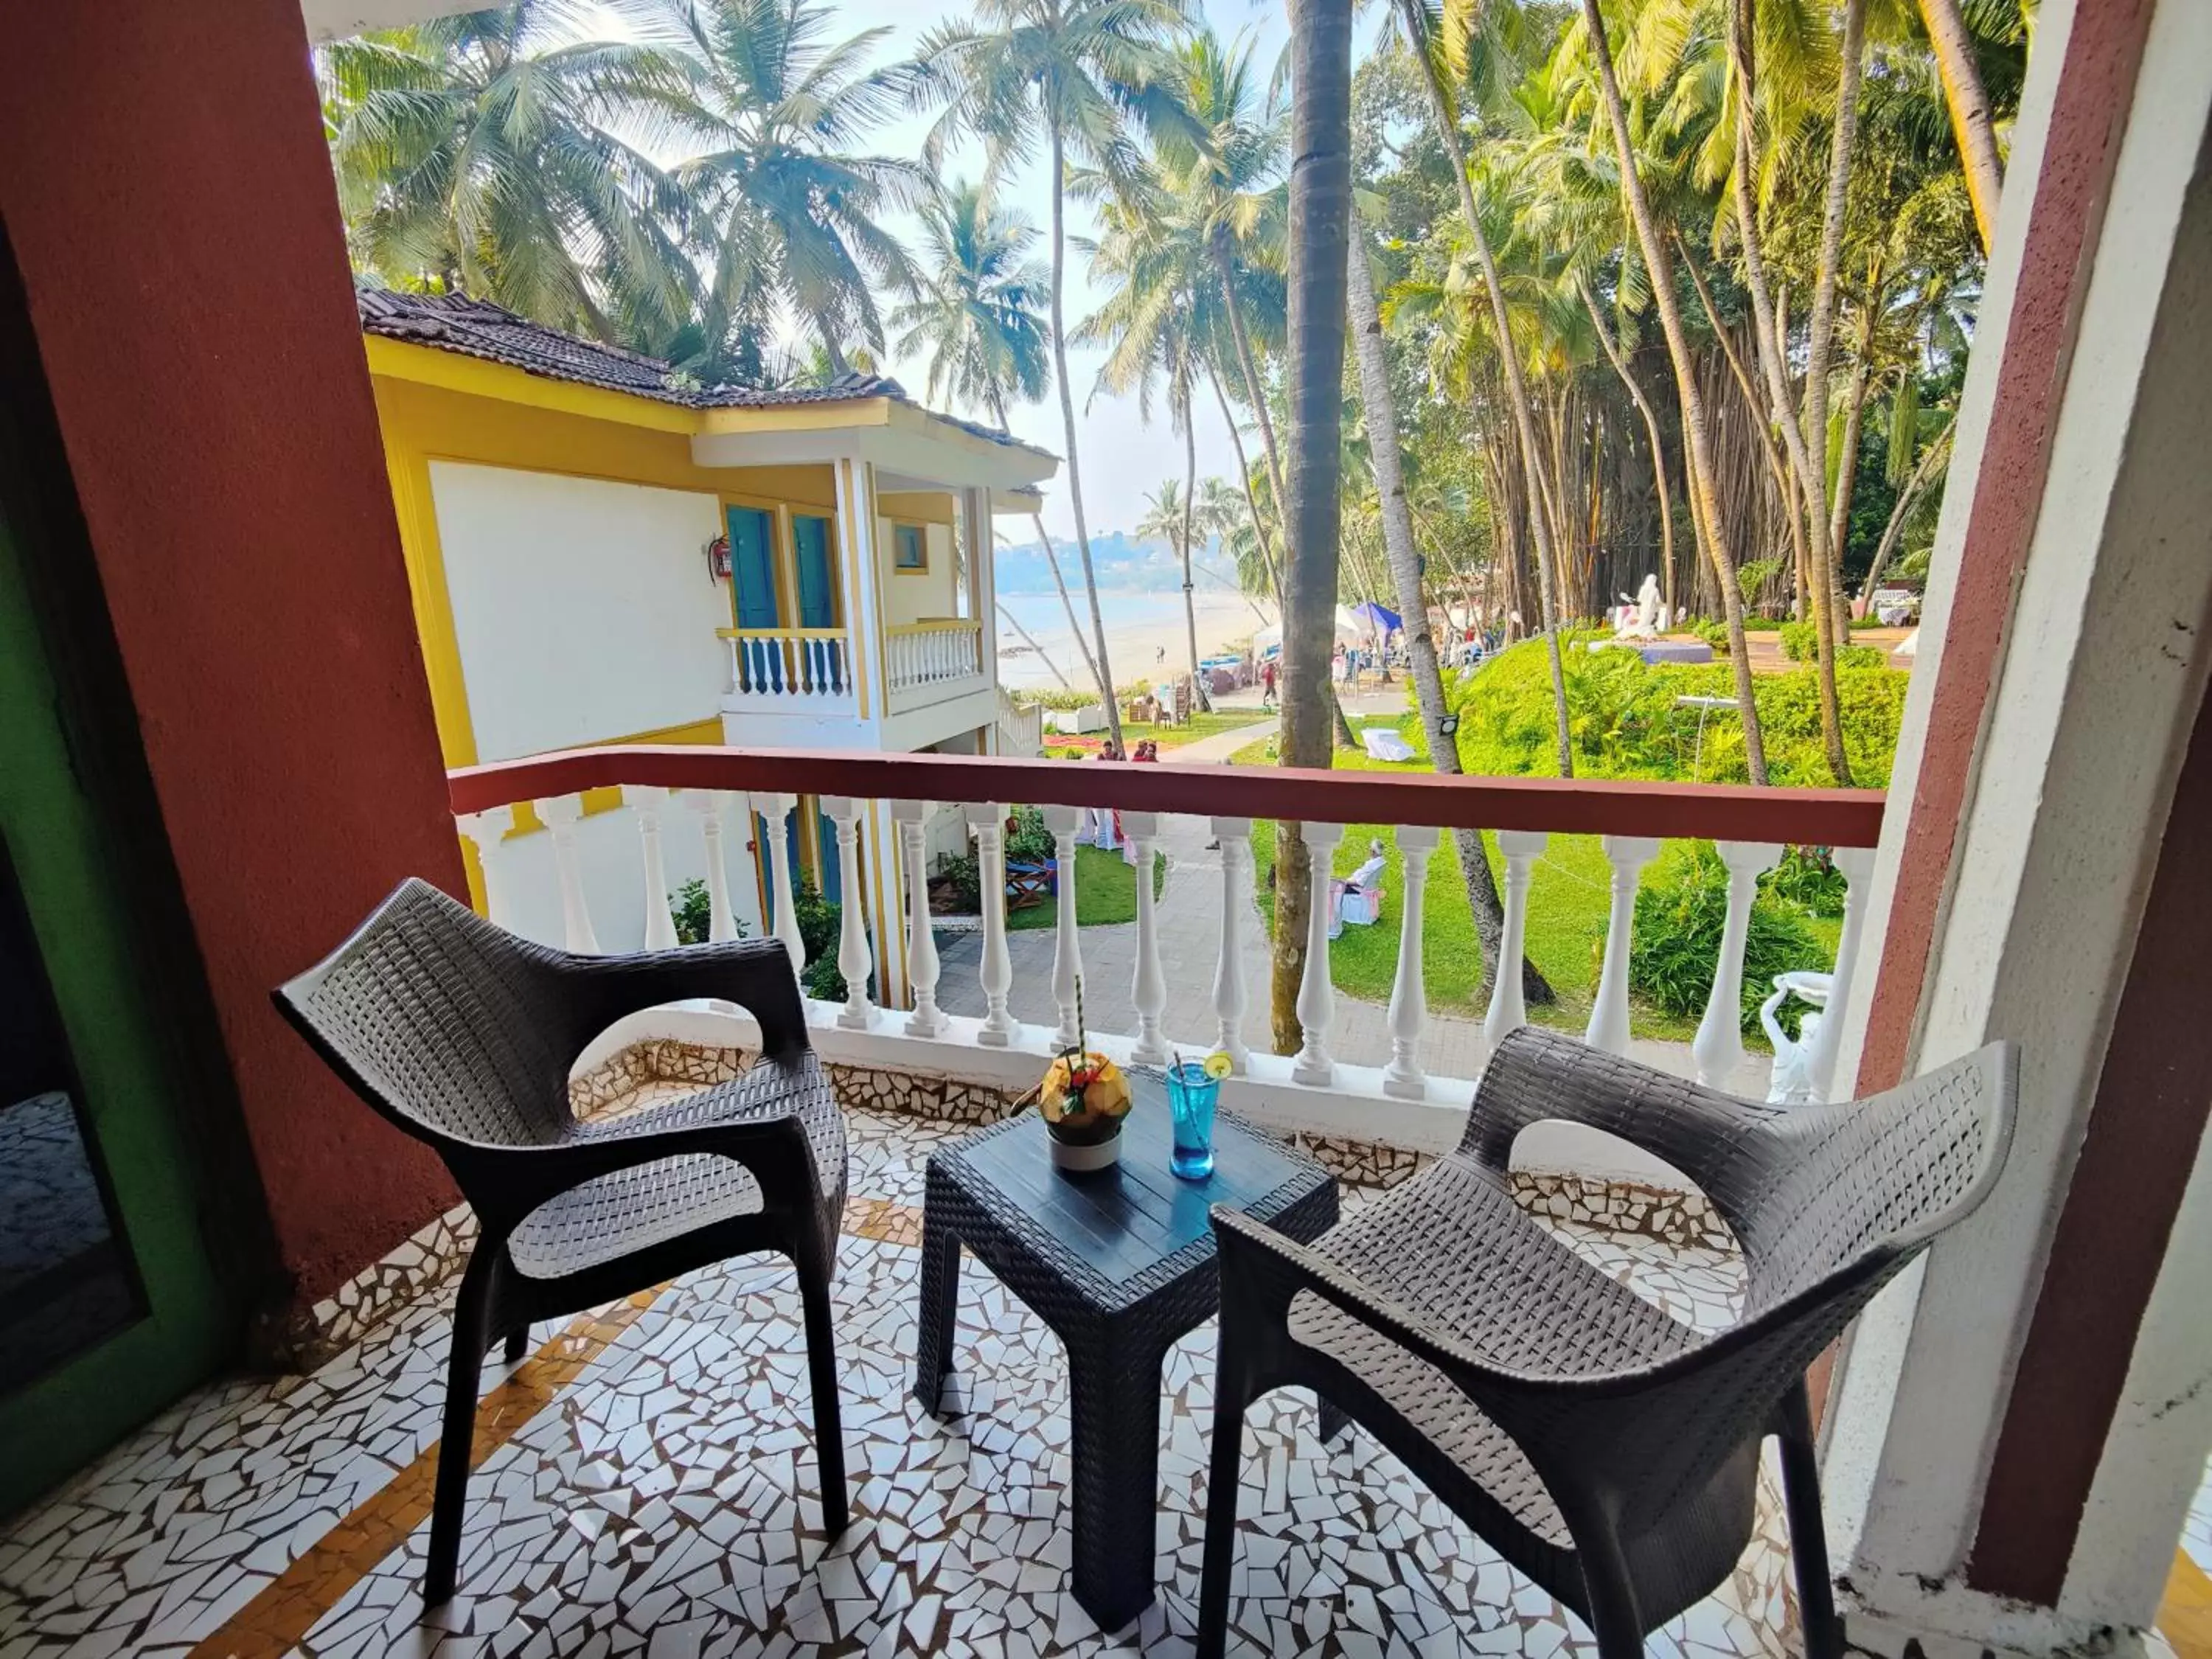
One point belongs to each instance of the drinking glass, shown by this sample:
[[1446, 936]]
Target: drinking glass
[[1191, 1097]]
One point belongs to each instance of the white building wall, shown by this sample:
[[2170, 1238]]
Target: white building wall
[[583, 609]]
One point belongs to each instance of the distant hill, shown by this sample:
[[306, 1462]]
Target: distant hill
[[1124, 564]]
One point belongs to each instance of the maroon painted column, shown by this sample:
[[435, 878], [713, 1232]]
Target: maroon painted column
[[169, 203]]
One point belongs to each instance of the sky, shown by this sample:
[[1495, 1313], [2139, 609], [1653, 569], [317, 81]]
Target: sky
[[1124, 457]]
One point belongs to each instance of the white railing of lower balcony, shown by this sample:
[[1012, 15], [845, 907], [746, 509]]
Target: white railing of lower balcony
[[939, 652], [779, 664], [1400, 1102]]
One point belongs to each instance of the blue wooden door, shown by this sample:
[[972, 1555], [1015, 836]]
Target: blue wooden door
[[752, 568], [832, 882], [818, 592]]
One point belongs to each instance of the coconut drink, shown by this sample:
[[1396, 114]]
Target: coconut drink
[[1082, 1098]]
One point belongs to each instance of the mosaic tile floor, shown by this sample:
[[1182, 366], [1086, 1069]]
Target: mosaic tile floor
[[646, 1486]]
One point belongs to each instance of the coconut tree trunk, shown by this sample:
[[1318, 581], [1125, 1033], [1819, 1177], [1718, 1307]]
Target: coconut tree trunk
[[1060, 584], [1321, 206], [1414, 18], [1924, 472], [1972, 122], [1199, 698], [1247, 365], [1100, 662], [1697, 433], [1381, 412], [1244, 484], [1011, 621]]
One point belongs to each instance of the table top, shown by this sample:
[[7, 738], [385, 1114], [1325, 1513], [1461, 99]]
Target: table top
[[1124, 1232]]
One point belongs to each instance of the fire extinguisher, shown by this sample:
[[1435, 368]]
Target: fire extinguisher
[[717, 559]]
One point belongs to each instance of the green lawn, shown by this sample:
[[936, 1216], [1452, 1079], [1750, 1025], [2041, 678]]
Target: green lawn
[[1569, 895], [1168, 737], [1105, 891]]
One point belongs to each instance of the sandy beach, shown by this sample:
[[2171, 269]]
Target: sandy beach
[[1145, 636]]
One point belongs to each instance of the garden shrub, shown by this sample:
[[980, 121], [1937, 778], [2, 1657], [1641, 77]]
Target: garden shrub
[[819, 920], [695, 912], [1807, 877], [1680, 914], [1801, 642], [1862, 656]]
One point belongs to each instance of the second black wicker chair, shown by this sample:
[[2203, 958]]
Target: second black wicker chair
[[1607, 1450], [463, 1036]]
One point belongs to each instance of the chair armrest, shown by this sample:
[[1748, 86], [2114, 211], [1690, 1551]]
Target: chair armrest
[[1731, 1148], [755, 974]]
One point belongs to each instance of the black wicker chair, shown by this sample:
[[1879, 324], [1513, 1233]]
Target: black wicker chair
[[1606, 1449], [462, 1035]]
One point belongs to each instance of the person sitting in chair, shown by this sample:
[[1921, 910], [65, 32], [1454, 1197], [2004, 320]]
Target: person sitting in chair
[[1357, 900]]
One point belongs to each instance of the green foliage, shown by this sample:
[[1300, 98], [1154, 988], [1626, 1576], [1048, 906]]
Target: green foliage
[[819, 920], [1713, 633], [1807, 877], [1624, 722], [1801, 642], [1058, 696], [694, 913], [1681, 912], [1029, 842], [967, 880]]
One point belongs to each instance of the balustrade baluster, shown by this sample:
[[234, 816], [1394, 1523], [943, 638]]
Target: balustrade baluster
[[486, 832], [1148, 986], [1409, 1012], [988, 825], [561, 814], [1608, 1020], [777, 809], [853, 962], [646, 803], [1234, 836], [1066, 950], [1718, 1047], [927, 1019], [1509, 1009], [1316, 1003], [708, 805], [1857, 865]]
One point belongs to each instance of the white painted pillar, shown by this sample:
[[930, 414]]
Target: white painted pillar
[[1149, 986], [1509, 1008], [927, 1019], [1608, 1020], [987, 822], [777, 809], [1718, 1045], [1066, 949], [561, 814], [1409, 1013], [1234, 836], [646, 803], [708, 804], [859, 1014], [486, 832], [1316, 996], [1857, 865]]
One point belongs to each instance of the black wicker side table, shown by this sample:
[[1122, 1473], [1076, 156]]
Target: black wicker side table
[[1120, 1264]]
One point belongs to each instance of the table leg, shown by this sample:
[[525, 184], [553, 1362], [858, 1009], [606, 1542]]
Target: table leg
[[1114, 1409], [940, 1309]]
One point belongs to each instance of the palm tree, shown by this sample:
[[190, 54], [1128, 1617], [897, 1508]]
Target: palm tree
[[782, 208], [1072, 71], [976, 314], [473, 156], [1320, 242], [1973, 122], [1170, 511]]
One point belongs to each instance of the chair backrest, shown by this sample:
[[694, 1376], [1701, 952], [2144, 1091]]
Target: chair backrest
[[450, 1026], [1829, 1203]]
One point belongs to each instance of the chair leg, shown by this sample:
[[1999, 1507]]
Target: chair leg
[[821, 1372], [456, 1444], [518, 1344], [1612, 1612], [1809, 1536], [1230, 1396]]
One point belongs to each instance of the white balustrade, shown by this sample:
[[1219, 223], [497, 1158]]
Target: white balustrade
[[1608, 1020], [777, 663], [1234, 836], [486, 832], [561, 814], [1718, 1045], [932, 653], [1148, 984], [1857, 865], [776, 810], [645, 805], [709, 805], [927, 1019], [1316, 1002], [1409, 1013], [988, 825], [1509, 1008], [853, 962], [1066, 950]]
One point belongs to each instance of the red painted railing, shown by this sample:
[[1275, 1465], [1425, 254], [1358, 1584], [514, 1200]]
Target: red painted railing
[[1822, 817]]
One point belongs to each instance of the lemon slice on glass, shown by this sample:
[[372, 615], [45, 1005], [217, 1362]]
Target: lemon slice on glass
[[1218, 1065]]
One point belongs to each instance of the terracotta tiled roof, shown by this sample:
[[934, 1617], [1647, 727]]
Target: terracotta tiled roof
[[477, 328]]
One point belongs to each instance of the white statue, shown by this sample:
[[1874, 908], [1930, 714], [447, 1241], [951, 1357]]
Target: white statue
[[1640, 616], [1792, 1083]]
